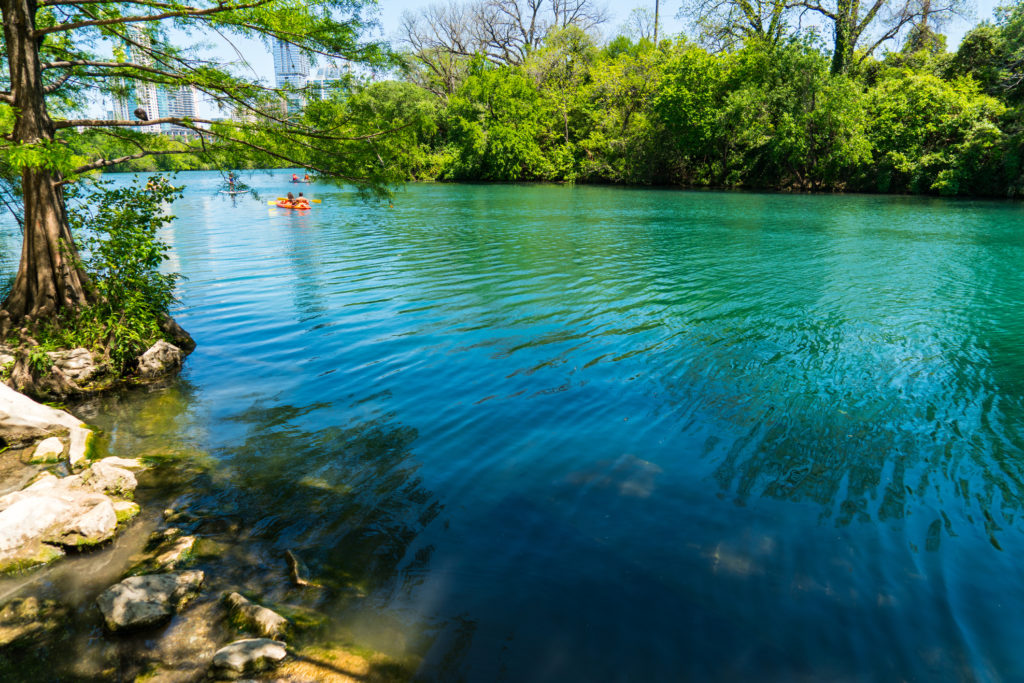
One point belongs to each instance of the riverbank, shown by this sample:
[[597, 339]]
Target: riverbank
[[173, 592]]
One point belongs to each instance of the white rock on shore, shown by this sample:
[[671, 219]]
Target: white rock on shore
[[140, 601], [54, 512], [23, 422], [160, 359], [79, 365]]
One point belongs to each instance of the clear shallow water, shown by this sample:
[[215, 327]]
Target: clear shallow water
[[579, 433]]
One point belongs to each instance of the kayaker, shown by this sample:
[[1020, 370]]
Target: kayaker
[[291, 200], [306, 180], [295, 177], [301, 202]]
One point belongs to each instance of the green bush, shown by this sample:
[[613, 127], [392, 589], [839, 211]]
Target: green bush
[[116, 229]]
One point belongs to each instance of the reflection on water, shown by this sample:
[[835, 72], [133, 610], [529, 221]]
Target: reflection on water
[[550, 433]]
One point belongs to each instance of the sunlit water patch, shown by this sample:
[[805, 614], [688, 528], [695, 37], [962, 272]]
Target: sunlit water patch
[[577, 433]]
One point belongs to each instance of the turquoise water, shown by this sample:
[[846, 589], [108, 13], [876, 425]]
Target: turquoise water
[[583, 433]]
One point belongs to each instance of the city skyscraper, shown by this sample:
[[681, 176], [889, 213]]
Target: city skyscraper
[[323, 81], [291, 68], [156, 101]]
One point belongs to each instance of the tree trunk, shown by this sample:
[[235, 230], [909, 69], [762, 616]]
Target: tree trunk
[[842, 52], [49, 276], [657, 6]]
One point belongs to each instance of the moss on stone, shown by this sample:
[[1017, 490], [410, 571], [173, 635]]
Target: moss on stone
[[42, 554], [126, 511]]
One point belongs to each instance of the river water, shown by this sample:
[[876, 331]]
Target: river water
[[585, 433]]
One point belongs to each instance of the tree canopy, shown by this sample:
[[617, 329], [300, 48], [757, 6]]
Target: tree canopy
[[60, 52]]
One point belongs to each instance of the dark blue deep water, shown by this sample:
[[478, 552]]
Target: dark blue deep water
[[598, 434]]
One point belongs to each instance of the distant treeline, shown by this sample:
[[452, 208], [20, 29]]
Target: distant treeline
[[742, 107]]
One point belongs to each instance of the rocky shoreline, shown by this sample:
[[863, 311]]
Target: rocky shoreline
[[171, 602]]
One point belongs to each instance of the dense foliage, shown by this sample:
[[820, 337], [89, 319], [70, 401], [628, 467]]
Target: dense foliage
[[760, 114], [122, 253]]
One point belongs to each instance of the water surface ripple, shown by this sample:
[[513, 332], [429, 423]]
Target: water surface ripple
[[579, 433]]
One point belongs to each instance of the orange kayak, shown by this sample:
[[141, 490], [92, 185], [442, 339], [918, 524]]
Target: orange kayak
[[287, 205]]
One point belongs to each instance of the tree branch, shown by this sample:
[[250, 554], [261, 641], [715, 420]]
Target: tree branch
[[144, 3], [109, 65], [104, 163], [39, 33], [93, 123], [53, 87]]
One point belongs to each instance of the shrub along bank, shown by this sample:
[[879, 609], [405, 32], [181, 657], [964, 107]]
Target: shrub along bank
[[126, 331]]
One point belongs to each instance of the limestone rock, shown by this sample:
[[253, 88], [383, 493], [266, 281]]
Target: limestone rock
[[126, 510], [78, 450], [175, 552], [161, 359], [103, 477], [125, 463], [78, 365], [248, 656], [48, 450], [255, 618], [56, 515], [180, 338], [141, 601], [6, 356], [91, 527], [72, 511], [23, 421]]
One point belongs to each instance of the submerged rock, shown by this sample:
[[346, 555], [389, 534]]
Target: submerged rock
[[255, 618], [25, 619], [140, 601], [248, 656], [161, 359], [126, 463], [174, 553]]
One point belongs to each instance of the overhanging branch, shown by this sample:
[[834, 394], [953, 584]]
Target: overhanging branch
[[96, 123], [179, 14], [104, 163]]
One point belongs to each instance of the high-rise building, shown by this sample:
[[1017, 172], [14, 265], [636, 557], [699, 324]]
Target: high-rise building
[[179, 102], [325, 80], [291, 69], [145, 94], [156, 101]]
